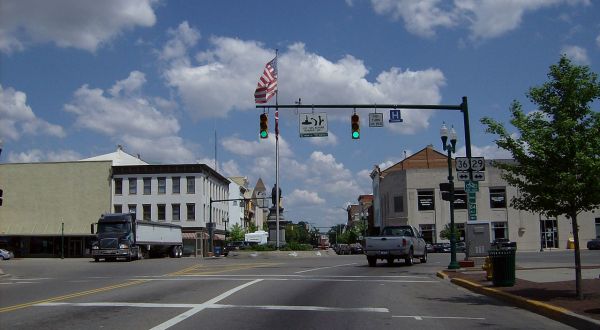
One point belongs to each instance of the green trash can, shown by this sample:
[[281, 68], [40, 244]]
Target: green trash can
[[503, 265]]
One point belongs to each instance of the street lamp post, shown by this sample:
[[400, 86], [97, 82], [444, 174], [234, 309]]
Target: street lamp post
[[226, 221], [450, 148]]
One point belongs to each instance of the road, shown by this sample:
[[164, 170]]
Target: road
[[326, 292]]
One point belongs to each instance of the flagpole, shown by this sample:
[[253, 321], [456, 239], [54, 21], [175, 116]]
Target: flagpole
[[277, 153]]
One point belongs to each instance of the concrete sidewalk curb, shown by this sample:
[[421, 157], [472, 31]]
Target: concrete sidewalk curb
[[554, 312]]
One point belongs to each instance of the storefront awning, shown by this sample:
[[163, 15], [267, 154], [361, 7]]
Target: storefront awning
[[196, 235]]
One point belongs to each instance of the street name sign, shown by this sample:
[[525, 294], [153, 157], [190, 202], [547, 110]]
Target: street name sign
[[313, 124], [471, 186], [376, 119]]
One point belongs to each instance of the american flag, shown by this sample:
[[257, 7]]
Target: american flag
[[267, 83]]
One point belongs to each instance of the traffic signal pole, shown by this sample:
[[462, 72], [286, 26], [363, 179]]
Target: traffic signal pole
[[462, 107]]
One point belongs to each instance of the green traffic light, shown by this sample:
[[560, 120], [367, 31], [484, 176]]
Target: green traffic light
[[355, 135], [263, 134]]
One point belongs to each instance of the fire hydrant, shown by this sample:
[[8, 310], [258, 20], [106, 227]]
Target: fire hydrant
[[489, 270]]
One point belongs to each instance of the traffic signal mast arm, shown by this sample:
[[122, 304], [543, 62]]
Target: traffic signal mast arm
[[463, 107]]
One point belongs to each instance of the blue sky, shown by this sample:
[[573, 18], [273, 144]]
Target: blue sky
[[79, 77]]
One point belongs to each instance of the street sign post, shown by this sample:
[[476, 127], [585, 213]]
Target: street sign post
[[313, 124]]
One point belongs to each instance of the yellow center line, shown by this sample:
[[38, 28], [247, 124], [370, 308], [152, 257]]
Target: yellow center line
[[72, 295]]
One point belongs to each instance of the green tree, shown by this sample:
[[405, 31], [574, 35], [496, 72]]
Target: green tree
[[557, 154], [252, 227], [236, 233], [445, 232]]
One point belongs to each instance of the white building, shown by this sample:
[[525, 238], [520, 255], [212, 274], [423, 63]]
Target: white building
[[237, 190], [408, 193], [180, 194]]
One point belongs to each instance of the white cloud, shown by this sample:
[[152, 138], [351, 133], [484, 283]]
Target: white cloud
[[211, 87], [300, 197], [488, 152], [485, 18], [17, 118], [131, 118], [83, 24], [329, 140], [598, 41], [36, 155], [181, 38], [576, 54], [420, 17]]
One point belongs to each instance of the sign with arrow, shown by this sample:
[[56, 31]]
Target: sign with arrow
[[478, 176], [313, 124], [462, 176]]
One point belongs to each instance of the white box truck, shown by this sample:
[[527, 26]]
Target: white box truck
[[120, 235]]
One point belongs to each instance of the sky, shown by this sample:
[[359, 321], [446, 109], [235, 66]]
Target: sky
[[163, 78]]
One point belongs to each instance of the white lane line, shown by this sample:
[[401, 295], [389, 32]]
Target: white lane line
[[312, 270], [218, 306], [20, 282], [291, 275], [420, 317], [119, 304], [243, 277], [307, 308], [191, 312]]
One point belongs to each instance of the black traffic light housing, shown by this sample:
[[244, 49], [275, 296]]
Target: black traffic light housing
[[1, 194], [446, 188], [355, 120], [264, 126]]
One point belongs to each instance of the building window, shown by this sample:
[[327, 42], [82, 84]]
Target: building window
[[191, 211], [191, 185], [146, 212], [147, 186], [425, 200], [132, 208], [175, 183], [498, 197], [118, 208], [175, 210], [118, 186], [499, 230], [428, 232], [162, 185], [132, 186], [398, 204], [460, 199], [160, 212]]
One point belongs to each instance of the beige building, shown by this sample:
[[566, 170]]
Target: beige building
[[40, 198], [408, 193]]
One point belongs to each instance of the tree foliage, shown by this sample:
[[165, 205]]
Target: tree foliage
[[236, 233], [557, 154], [557, 150]]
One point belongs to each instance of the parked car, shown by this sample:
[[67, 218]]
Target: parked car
[[5, 254], [594, 244], [356, 248], [343, 249], [441, 247], [430, 248], [461, 247]]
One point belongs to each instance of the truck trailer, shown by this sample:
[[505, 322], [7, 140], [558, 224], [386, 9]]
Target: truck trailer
[[120, 235]]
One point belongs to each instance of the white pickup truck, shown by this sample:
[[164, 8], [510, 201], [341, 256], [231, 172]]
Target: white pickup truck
[[396, 242]]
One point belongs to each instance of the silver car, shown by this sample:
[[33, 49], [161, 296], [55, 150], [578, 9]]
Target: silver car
[[5, 254]]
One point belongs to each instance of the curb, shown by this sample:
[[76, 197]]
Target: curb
[[554, 312]]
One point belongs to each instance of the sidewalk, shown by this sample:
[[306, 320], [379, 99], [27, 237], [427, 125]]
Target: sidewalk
[[549, 291]]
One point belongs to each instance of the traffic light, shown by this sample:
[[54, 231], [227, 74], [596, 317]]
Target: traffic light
[[355, 127], [264, 126], [1, 192], [446, 188]]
